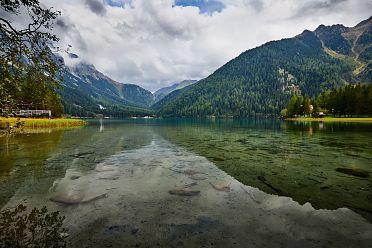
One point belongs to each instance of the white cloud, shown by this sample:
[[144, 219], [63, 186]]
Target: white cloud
[[152, 44]]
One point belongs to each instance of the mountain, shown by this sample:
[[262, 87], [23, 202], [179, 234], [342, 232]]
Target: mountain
[[157, 106], [161, 93], [86, 91], [260, 81], [130, 94]]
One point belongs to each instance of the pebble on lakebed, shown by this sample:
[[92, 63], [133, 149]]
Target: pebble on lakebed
[[198, 177], [74, 177], [184, 192], [353, 172], [221, 186]]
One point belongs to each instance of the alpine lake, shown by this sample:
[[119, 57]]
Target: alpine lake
[[197, 182]]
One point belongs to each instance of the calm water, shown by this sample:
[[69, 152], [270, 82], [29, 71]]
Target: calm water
[[260, 182]]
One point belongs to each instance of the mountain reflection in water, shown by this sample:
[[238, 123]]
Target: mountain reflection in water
[[113, 179]]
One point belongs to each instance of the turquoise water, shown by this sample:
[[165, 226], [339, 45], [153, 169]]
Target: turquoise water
[[274, 180]]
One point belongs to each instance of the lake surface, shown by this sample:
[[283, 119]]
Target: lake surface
[[243, 183]]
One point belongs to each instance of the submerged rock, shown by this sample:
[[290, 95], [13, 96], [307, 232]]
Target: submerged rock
[[221, 186], [242, 141], [63, 235], [190, 172], [198, 177], [81, 154], [325, 187], [74, 177], [250, 194], [109, 178], [353, 172], [117, 228], [190, 184], [184, 192], [218, 159], [104, 168], [76, 199], [264, 181]]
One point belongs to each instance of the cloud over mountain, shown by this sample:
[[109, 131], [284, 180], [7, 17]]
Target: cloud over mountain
[[153, 43]]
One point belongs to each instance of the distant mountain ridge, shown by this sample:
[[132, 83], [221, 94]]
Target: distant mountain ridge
[[344, 43], [161, 93], [129, 93], [87, 92], [261, 80]]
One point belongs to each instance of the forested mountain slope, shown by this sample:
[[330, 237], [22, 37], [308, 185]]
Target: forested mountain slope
[[261, 80]]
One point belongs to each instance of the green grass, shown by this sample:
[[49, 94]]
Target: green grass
[[332, 119], [41, 123]]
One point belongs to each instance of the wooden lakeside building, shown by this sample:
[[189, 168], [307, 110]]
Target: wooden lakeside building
[[22, 110], [27, 113]]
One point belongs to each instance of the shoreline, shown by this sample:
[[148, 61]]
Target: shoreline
[[331, 119], [31, 123]]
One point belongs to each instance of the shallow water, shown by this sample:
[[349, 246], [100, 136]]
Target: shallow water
[[112, 181]]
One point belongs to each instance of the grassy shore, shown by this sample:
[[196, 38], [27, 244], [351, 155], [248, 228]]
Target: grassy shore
[[331, 119], [40, 123]]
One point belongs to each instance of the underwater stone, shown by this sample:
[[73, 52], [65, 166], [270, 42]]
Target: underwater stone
[[353, 172], [221, 186], [104, 169], [218, 159], [325, 187], [190, 172], [74, 177], [109, 178], [184, 192], [72, 200], [198, 177]]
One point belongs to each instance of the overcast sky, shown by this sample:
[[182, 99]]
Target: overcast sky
[[154, 43]]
